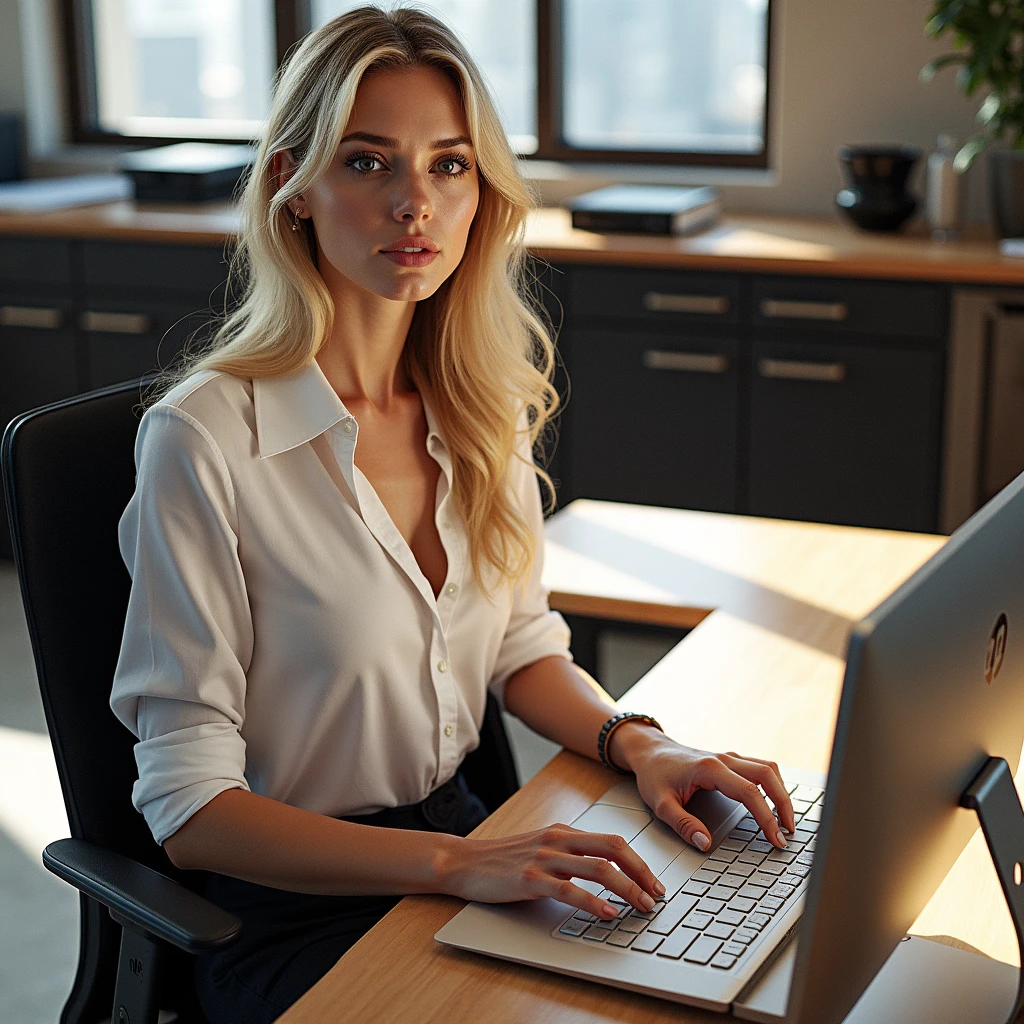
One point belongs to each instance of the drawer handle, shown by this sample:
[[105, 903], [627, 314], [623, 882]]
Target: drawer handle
[[784, 309], [792, 369], [116, 323], [31, 316], [660, 302], [687, 362]]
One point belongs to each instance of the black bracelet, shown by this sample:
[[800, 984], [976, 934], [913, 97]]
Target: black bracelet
[[609, 727]]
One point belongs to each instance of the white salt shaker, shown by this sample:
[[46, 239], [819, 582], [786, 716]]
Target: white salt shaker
[[943, 191]]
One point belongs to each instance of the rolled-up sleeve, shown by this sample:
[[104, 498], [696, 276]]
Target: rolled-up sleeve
[[534, 630], [180, 681]]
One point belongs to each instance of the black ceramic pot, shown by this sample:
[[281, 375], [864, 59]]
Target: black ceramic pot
[[876, 197], [1006, 189]]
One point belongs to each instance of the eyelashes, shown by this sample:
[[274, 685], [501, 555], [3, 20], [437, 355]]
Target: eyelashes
[[453, 158]]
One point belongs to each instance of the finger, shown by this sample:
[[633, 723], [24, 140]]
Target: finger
[[615, 848], [767, 775], [748, 793], [563, 890], [691, 829], [597, 869]]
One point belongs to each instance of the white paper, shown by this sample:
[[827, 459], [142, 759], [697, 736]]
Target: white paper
[[38, 195]]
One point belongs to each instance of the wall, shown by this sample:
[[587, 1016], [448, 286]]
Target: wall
[[845, 71]]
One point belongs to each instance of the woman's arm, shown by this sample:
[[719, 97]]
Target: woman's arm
[[559, 700], [248, 836]]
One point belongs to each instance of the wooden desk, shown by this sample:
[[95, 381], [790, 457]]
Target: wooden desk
[[773, 603]]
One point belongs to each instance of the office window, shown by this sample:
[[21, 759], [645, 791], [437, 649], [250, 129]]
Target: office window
[[683, 75], [182, 68], [610, 81]]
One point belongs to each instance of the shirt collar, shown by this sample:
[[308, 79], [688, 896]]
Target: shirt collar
[[294, 409]]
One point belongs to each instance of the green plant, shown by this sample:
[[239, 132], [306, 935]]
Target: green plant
[[989, 36]]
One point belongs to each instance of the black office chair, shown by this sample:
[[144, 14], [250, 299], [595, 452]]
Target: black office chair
[[69, 472]]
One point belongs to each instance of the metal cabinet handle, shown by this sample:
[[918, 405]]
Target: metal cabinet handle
[[31, 316], [687, 362], [794, 369], [660, 302], [785, 309], [116, 323]]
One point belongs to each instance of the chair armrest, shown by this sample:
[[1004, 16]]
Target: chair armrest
[[141, 897]]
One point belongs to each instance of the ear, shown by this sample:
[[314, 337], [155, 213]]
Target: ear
[[283, 166]]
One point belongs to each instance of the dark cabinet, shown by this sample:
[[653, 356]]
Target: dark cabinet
[[655, 417], [654, 369], [845, 433], [142, 303]]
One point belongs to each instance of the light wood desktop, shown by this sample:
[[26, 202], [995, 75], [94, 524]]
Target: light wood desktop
[[773, 603]]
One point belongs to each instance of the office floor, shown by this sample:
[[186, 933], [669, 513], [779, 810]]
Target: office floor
[[39, 913]]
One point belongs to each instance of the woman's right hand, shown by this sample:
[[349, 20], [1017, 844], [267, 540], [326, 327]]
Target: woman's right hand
[[543, 863]]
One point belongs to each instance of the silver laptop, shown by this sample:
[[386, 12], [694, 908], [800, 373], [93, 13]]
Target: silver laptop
[[924, 705]]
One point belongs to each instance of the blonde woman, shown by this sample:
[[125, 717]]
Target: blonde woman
[[335, 541]]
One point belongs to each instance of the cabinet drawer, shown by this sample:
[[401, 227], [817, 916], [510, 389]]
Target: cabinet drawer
[[869, 307], [197, 269], [654, 419], [662, 296], [41, 261], [127, 341], [845, 434]]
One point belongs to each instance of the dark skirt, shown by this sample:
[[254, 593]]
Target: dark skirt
[[290, 940]]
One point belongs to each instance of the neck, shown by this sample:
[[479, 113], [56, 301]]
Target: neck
[[362, 359]]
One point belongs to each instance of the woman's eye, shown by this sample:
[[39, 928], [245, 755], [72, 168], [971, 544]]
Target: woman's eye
[[450, 166], [365, 164]]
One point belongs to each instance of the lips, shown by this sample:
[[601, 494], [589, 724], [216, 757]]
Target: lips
[[418, 251], [415, 244]]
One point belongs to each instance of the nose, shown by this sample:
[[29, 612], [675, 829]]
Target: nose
[[412, 200]]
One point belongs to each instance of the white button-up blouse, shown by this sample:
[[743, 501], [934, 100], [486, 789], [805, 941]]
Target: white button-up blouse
[[280, 635]]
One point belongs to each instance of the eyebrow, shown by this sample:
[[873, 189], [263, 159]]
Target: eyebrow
[[389, 143]]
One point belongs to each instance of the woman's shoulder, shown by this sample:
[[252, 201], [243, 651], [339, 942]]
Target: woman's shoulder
[[218, 405]]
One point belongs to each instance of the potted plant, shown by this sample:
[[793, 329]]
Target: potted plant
[[989, 40]]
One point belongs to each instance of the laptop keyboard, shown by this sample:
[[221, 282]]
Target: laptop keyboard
[[720, 913]]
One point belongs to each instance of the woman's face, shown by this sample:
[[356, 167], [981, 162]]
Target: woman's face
[[404, 177]]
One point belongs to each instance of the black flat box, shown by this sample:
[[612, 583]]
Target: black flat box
[[187, 172], [646, 209]]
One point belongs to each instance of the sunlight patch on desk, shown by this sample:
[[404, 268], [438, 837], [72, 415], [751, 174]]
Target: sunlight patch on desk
[[837, 569], [31, 804]]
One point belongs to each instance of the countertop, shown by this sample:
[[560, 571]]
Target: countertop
[[739, 243]]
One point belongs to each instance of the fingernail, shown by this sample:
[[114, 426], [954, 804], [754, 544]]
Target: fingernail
[[659, 888], [608, 910], [781, 839], [646, 902], [700, 840]]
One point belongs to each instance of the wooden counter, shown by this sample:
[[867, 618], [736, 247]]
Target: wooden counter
[[780, 245]]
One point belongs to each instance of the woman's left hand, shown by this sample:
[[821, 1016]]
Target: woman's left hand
[[668, 774]]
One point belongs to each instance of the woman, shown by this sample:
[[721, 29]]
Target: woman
[[335, 539]]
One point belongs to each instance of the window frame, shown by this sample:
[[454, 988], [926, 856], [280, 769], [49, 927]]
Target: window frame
[[293, 19]]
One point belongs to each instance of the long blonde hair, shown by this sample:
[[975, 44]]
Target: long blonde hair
[[479, 348]]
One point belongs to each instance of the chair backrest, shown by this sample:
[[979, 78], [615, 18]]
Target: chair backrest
[[69, 472]]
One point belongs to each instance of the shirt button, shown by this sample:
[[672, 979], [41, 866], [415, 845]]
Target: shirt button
[[347, 426], [448, 730], [452, 588], [442, 666]]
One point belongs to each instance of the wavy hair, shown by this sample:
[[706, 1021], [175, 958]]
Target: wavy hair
[[479, 348]]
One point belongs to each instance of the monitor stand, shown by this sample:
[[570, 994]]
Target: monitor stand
[[926, 982]]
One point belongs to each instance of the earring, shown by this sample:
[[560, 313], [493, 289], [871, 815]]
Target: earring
[[296, 226]]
